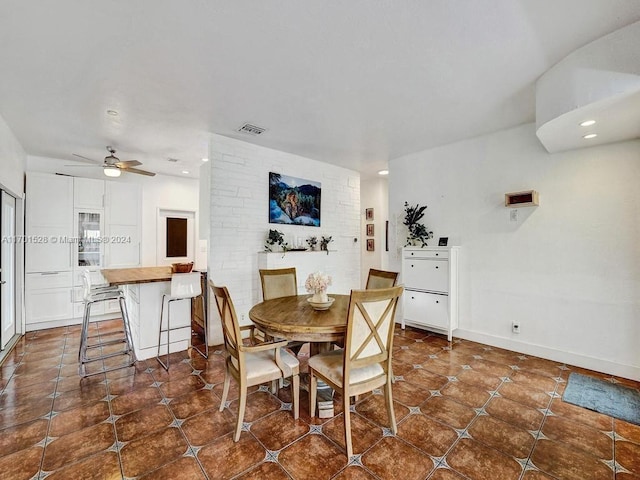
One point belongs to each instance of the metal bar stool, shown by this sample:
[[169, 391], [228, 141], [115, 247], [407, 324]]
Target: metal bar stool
[[92, 295], [184, 286]]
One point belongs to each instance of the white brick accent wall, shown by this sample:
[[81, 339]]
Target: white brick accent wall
[[239, 215]]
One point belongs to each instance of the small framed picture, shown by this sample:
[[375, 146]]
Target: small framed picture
[[442, 241], [369, 229], [368, 213], [370, 245]]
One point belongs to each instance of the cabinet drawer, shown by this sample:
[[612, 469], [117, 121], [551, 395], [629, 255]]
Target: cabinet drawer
[[426, 308], [426, 254], [37, 281], [424, 274], [48, 304]]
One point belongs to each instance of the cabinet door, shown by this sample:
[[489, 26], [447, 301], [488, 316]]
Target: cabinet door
[[123, 225], [48, 297], [122, 204], [49, 222], [431, 275], [88, 193], [428, 309]]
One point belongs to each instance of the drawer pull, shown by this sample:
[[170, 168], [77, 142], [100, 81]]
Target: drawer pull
[[437, 266], [437, 301], [437, 254]]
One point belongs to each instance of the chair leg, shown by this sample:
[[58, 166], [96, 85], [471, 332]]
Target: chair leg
[[347, 423], [313, 385], [242, 403], [388, 396], [127, 329], [295, 385], [225, 390]]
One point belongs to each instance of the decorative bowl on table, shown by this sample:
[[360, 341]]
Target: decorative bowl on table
[[181, 267], [321, 305]]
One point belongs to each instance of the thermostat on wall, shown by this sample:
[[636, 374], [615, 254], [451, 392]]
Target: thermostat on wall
[[521, 199]]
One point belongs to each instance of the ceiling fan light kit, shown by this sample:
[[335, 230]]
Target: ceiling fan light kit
[[111, 171], [112, 166]]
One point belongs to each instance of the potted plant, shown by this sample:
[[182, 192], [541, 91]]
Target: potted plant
[[275, 237], [324, 243], [417, 232], [312, 242]]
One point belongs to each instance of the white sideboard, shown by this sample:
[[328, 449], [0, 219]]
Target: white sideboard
[[430, 278]]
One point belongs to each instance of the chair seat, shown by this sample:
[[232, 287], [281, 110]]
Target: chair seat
[[261, 366], [330, 364]]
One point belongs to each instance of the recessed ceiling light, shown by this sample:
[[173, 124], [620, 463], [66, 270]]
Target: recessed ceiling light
[[588, 123], [383, 172], [186, 172], [205, 159], [113, 113], [590, 135]]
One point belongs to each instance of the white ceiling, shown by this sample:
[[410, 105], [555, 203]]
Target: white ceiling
[[351, 83]]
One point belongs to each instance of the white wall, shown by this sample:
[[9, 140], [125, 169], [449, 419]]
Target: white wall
[[239, 221], [12, 161], [161, 191], [374, 194], [568, 270]]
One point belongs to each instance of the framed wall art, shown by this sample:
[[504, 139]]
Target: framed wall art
[[370, 245], [294, 201], [368, 214], [369, 229]]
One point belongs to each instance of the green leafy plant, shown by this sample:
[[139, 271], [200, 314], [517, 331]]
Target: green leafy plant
[[417, 231], [312, 242], [275, 237], [324, 243]]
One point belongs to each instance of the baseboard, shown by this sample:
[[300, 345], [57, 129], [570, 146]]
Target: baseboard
[[570, 358]]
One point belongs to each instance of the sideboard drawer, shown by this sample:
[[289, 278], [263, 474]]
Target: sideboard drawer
[[423, 274], [424, 253], [426, 308]]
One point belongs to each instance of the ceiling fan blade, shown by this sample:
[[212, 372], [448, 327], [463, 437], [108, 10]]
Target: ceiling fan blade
[[137, 170], [85, 158], [127, 163]]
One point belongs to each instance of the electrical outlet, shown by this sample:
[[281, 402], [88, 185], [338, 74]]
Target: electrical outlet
[[515, 327]]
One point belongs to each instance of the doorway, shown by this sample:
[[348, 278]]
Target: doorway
[[7, 269]]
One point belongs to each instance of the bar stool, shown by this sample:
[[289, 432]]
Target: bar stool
[[92, 295], [184, 286]]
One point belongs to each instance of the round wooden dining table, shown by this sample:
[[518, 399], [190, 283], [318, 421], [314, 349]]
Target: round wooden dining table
[[293, 318]]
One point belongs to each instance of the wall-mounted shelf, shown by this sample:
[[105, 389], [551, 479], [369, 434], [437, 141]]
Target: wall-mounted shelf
[[521, 199]]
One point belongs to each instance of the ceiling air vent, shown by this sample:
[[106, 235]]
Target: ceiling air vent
[[250, 129]]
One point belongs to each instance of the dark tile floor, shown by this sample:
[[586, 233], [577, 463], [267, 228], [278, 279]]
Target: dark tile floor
[[465, 411]]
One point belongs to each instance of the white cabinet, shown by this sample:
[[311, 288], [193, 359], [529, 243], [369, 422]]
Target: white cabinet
[[430, 277], [73, 225], [49, 222], [122, 225]]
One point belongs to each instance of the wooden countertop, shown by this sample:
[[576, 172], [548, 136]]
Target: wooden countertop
[[124, 276]]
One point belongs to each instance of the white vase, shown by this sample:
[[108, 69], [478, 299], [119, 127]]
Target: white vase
[[320, 297]]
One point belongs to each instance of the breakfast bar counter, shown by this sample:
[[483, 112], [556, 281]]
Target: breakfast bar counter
[[144, 288]]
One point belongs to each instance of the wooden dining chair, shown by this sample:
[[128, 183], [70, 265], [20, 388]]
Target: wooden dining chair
[[252, 365], [381, 279], [365, 362], [280, 282]]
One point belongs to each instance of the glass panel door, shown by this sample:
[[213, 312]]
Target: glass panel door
[[8, 270], [89, 239]]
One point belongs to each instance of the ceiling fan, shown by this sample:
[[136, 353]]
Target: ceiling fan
[[113, 166]]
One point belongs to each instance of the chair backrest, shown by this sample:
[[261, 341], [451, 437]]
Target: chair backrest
[[370, 324], [229, 319], [278, 282], [381, 279], [86, 284], [185, 285]]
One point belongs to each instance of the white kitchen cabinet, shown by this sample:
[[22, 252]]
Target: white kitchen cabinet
[[72, 225], [430, 278], [48, 298], [122, 212], [88, 193], [49, 223]]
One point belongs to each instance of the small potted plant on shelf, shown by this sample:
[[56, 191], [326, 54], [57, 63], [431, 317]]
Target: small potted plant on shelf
[[275, 237], [324, 243], [417, 231], [312, 242]]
